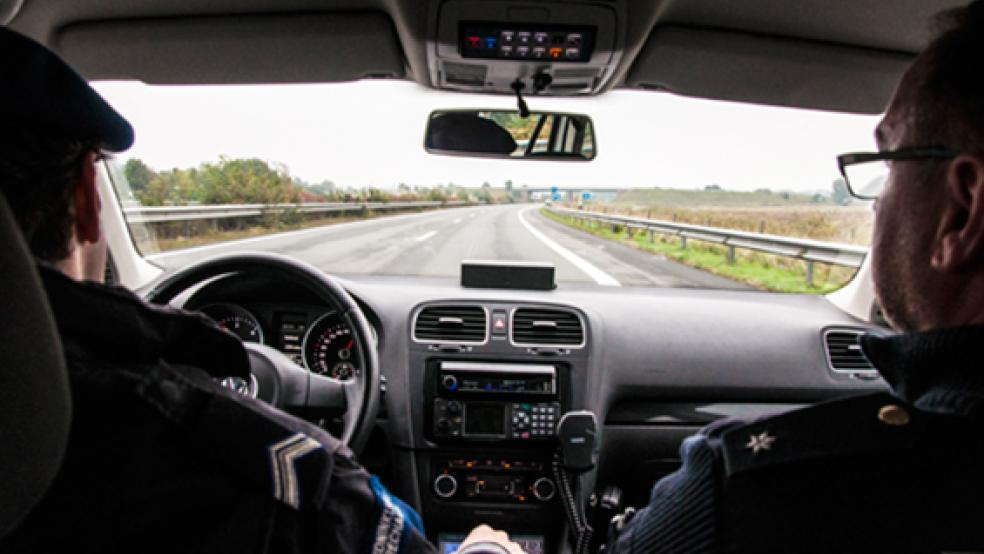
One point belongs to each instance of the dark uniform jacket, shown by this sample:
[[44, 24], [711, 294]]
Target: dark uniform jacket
[[900, 471], [161, 459]]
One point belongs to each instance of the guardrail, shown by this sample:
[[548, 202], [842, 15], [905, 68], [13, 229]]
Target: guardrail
[[164, 214], [810, 251]]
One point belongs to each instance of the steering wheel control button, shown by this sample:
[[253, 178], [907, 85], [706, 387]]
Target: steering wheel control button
[[544, 489], [445, 486], [893, 414]]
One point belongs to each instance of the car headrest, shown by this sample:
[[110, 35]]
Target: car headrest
[[35, 406]]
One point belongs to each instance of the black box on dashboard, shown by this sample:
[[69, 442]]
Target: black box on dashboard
[[482, 274]]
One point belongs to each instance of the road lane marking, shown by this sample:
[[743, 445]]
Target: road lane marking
[[457, 221], [425, 236], [598, 275]]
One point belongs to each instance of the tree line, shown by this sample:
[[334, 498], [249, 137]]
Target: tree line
[[254, 181]]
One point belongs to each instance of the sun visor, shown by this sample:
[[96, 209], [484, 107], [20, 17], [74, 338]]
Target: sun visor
[[741, 67], [309, 48]]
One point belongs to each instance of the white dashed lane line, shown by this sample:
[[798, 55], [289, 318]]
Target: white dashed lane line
[[425, 236]]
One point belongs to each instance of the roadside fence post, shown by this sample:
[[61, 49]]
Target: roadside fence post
[[809, 273], [731, 254]]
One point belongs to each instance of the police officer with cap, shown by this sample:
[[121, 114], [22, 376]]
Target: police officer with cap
[[161, 458], [899, 471]]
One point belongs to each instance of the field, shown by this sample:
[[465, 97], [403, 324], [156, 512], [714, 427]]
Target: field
[[848, 225], [761, 212]]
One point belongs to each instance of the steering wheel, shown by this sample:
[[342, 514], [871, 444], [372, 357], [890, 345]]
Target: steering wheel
[[278, 380]]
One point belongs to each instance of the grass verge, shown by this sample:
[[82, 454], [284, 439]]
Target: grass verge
[[762, 271]]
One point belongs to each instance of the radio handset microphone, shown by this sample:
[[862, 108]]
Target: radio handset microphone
[[577, 453]]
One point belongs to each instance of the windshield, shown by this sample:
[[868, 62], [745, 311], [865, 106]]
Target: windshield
[[681, 193]]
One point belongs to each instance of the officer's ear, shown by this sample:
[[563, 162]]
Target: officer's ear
[[87, 202], [959, 243]]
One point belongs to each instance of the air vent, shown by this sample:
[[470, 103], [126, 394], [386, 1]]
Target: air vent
[[451, 324], [844, 351], [546, 327]]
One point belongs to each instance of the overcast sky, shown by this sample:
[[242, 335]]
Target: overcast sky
[[371, 134]]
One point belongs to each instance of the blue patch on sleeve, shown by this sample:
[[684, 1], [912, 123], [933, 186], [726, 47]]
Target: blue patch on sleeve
[[396, 520]]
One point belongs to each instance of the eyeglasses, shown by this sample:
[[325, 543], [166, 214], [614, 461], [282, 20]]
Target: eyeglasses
[[866, 172]]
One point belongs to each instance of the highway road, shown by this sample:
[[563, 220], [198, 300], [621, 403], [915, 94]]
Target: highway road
[[434, 244]]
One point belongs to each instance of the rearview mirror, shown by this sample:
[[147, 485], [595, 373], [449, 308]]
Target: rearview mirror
[[505, 134]]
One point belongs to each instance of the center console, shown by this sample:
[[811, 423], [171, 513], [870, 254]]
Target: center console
[[487, 414]]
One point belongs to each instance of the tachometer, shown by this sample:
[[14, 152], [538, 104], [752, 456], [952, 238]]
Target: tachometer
[[330, 348], [235, 319]]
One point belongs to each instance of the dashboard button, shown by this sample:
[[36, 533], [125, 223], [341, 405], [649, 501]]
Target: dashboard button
[[445, 486], [544, 489]]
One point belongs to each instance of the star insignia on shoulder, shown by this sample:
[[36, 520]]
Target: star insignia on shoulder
[[762, 441]]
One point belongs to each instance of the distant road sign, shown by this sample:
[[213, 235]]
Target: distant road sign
[[553, 190], [556, 197], [586, 195]]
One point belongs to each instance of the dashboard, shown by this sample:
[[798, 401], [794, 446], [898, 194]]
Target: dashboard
[[476, 380]]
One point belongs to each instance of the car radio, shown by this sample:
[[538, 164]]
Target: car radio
[[496, 379], [494, 401]]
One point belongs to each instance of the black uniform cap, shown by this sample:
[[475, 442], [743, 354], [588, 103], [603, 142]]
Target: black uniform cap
[[40, 95]]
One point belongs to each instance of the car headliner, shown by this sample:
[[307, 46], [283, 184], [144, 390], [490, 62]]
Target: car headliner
[[843, 55]]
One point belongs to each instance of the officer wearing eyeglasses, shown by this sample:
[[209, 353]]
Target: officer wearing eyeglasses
[[899, 471]]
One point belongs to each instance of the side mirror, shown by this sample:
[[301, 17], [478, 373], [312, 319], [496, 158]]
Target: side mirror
[[505, 134]]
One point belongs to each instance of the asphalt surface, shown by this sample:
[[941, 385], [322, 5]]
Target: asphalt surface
[[435, 243]]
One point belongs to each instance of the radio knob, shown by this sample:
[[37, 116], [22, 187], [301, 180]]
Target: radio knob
[[449, 382], [544, 489], [454, 408], [445, 485]]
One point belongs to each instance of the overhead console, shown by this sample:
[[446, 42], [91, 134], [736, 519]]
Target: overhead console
[[511, 41], [555, 49]]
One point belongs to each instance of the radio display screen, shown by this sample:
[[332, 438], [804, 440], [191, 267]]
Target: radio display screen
[[485, 419]]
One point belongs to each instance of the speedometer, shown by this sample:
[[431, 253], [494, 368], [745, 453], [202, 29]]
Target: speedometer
[[331, 349], [236, 320]]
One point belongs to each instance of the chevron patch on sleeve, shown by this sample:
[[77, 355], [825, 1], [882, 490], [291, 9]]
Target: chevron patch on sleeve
[[283, 458]]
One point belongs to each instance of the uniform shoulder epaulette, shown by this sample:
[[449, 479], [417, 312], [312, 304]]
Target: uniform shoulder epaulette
[[868, 423]]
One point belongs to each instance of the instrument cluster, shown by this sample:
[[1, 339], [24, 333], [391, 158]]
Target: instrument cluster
[[321, 341]]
